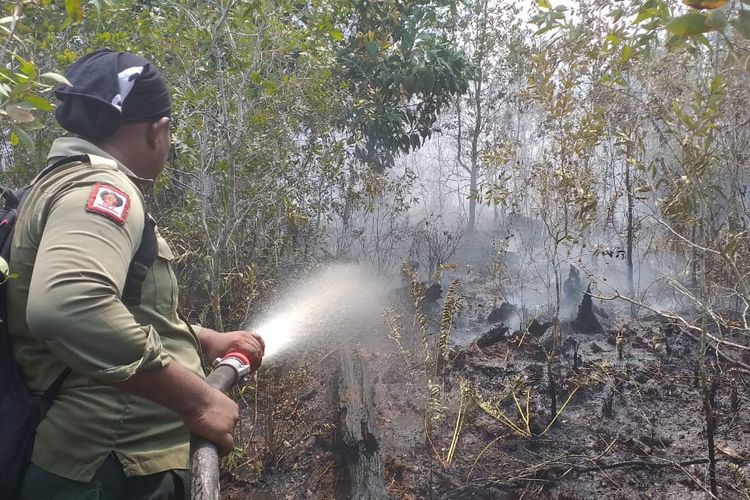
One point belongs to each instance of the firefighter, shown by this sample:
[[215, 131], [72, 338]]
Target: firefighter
[[135, 388]]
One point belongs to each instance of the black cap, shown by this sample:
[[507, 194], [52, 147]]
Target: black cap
[[109, 89]]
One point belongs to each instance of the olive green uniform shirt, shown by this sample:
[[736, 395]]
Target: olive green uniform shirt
[[64, 309]]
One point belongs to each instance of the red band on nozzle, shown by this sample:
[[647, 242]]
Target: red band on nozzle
[[239, 356]]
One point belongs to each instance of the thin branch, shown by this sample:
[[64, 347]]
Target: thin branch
[[13, 24]]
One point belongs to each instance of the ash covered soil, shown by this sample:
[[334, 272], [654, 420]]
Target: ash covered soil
[[627, 419]]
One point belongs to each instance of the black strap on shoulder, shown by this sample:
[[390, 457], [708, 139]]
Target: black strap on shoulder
[[21, 194], [142, 261], [51, 393], [59, 163], [145, 255]]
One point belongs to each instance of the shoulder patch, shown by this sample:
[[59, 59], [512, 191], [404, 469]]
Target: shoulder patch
[[110, 202]]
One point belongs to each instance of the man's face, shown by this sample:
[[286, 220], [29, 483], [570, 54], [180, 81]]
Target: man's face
[[158, 142], [164, 145], [110, 200]]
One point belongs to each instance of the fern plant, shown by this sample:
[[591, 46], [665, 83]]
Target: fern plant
[[420, 326], [394, 328], [451, 306]]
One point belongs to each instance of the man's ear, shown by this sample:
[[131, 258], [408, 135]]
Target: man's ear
[[158, 132]]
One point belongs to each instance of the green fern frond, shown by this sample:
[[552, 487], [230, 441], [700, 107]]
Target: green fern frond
[[451, 306], [435, 407], [394, 328]]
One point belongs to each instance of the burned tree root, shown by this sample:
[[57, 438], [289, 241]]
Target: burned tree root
[[356, 450]]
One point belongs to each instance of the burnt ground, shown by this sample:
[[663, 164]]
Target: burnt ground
[[628, 417]]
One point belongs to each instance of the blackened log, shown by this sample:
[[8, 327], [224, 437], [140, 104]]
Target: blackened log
[[357, 448], [432, 293], [503, 313], [492, 337], [586, 321], [572, 287], [538, 328]]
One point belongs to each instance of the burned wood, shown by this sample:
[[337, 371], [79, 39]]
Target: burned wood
[[538, 328], [572, 287], [357, 449], [492, 337], [503, 313], [432, 293], [640, 464], [427, 295], [608, 405], [586, 321]]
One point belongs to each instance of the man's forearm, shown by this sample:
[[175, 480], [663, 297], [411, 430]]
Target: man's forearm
[[206, 412], [173, 386]]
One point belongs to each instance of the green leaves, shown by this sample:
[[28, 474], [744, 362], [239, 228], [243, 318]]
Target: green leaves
[[691, 24], [549, 19], [695, 24], [39, 102], [544, 4], [19, 136], [28, 69], [400, 69], [742, 23], [717, 20], [56, 77], [18, 114], [73, 11]]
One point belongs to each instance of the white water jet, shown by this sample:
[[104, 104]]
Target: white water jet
[[342, 302]]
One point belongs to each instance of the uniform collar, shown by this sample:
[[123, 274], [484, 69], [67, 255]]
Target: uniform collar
[[72, 146]]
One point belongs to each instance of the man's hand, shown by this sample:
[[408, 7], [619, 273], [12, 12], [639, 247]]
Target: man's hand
[[216, 345], [215, 420], [206, 411]]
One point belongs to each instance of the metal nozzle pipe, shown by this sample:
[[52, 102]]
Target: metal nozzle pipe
[[204, 457]]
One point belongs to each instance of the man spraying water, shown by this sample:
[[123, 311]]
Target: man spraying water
[[94, 303]]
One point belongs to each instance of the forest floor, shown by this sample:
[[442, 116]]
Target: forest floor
[[627, 422]]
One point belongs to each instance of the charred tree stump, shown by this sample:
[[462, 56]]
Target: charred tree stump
[[586, 321], [356, 449], [538, 328], [572, 288], [503, 313], [493, 336]]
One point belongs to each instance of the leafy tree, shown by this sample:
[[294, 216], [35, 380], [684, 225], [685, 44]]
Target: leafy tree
[[400, 69]]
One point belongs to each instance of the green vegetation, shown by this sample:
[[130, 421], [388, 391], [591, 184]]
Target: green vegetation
[[595, 134]]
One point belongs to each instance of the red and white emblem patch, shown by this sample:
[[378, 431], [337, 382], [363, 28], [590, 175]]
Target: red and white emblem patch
[[110, 202]]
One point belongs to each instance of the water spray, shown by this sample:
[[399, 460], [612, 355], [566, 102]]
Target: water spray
[[342, 302]]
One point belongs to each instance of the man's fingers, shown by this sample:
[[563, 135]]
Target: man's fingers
[[254, 347], [255, 353], [262, 342], [227, 445]]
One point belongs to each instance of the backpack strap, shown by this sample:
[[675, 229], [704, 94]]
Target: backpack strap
[[51, 393], [142, 261], [146, 254], [59, 163], [18, 196]]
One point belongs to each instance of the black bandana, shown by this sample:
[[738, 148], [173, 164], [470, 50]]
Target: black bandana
[[109, 89]]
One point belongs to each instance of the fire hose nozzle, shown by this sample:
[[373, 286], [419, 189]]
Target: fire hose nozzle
[[237, 361], [204, 459]]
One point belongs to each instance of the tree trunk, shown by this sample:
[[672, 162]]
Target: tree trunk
[[357, 447], [214, 285], [629, 240], [472, 201]]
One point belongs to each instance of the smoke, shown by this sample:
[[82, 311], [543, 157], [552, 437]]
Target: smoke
[[339, 304]]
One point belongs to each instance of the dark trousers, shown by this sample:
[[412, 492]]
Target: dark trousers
[[109, 483]]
